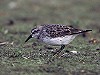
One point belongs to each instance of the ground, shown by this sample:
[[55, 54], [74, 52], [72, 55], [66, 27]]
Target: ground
[[18, 17]]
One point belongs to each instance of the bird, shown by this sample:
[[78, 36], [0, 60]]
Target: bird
[[56, 34]]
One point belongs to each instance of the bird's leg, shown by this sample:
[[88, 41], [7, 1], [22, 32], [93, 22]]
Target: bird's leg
[[57, 52]]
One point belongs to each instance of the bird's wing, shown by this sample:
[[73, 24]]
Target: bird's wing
[[57, 30]]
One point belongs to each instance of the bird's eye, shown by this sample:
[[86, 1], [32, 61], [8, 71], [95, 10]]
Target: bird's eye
[[34, 31]]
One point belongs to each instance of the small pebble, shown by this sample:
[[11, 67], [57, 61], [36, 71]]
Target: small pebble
[[6, 31], [12, 5], [75, 52]]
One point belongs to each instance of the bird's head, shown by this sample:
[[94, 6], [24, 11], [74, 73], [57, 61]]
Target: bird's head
[[34, 33]]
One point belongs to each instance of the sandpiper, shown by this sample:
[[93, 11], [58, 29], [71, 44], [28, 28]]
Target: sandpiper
[[55, 34]]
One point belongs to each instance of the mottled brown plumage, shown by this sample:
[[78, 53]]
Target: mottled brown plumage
[[58, 30]]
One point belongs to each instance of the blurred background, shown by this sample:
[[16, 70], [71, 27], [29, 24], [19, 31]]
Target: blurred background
[[18, 17]]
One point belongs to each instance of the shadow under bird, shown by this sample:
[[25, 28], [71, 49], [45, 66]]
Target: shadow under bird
[[55, 34]]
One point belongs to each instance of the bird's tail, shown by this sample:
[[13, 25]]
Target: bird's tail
[[82, 31]]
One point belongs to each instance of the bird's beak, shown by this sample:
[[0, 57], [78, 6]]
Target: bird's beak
[[28, 38]]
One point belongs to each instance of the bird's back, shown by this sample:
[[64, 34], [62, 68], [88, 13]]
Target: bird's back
[[58, 30]]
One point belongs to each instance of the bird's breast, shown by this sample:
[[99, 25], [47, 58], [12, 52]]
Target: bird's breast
[[59, 40]]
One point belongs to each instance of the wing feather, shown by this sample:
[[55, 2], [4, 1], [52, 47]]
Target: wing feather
[[58, 30]]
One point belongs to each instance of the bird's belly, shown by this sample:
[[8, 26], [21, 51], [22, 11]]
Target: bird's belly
[[59, 40]]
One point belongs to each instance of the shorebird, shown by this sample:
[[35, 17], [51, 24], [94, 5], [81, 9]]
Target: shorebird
[[56, 34]]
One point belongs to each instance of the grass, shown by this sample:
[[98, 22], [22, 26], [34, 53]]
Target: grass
[[31, 58]]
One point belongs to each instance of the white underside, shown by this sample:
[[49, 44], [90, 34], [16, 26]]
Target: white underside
[[59, 40]]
